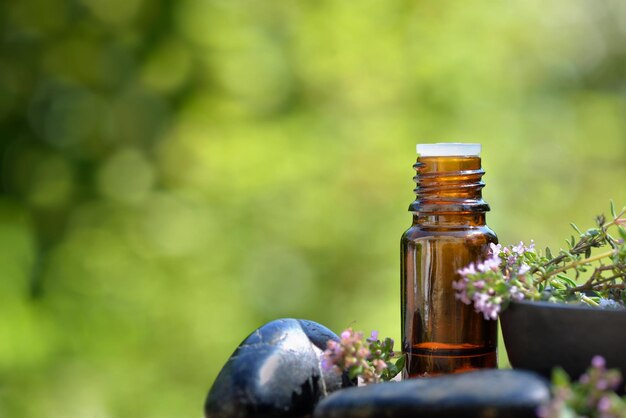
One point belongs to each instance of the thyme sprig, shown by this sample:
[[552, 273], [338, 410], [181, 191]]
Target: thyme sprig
[[592, 238], [522, 272], [371, 360], [593, 395]]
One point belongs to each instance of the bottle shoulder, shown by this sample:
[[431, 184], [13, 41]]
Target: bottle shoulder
[[417, 232]]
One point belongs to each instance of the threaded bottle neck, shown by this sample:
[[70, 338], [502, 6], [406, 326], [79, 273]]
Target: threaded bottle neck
[[449, 185]]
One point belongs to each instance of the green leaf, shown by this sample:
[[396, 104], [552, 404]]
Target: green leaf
[[400, 362], [622, 232], [560, 378], [387, 345], [613, 210], [501, 288], [355, 371], [530, 256], [549, 254], [573, 225], [566, 279]]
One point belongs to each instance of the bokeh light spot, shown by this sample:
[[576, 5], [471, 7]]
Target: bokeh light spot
[[52, 183], [176, 226], [114, 11], [168, 67], [278, 281], [64, 114], [127, 177]]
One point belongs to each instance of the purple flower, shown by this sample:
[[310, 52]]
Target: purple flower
[[519, 249], [491, 264], [524, 268], [602, 384], [598, 362], [462, 296], [499, 278], [514, 254], [496, 249], [604, 404], [484, 304], [379, 365], [470, 269], [516, 294], [354, 355]]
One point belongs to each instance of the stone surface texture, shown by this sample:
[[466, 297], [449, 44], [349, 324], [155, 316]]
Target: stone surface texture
[[480, 394], [275, 372], [541, 335]]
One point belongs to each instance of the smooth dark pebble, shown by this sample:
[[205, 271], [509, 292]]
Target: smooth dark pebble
[[275, 372], [480, 394]]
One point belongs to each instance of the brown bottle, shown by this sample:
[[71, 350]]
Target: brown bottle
[[439, 333]]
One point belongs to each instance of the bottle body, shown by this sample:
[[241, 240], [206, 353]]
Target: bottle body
[[439, 333]]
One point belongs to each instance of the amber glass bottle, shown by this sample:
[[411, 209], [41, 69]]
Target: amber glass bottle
[[439, 333]]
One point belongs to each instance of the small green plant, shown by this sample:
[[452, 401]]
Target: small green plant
[[521, 272], [370, 359], [592, 396]]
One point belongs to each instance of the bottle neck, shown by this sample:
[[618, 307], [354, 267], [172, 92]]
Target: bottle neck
[[449, 191], [449, 220]]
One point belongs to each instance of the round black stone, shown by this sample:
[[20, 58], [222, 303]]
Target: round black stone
[[275, 372], [488, 393]]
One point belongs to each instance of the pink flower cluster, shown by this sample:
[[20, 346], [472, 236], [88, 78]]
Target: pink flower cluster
[[347, 352], [594, 392], [351, 353], [475, 287], [487, 285]]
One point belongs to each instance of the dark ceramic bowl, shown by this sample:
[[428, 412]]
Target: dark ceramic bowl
[[540, 335]]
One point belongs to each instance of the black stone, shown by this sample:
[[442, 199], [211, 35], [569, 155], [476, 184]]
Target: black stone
[[481, 394], [275, 372]]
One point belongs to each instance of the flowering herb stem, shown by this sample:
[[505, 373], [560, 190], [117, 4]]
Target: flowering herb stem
[[590, 241], [589, 301], [523, 272], [578, 263], [593, 395], [369, 359]]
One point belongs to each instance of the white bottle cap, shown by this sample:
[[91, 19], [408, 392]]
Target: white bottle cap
[[448, 149]]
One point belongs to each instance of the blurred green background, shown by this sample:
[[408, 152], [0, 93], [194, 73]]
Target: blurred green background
[[175, 173]]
